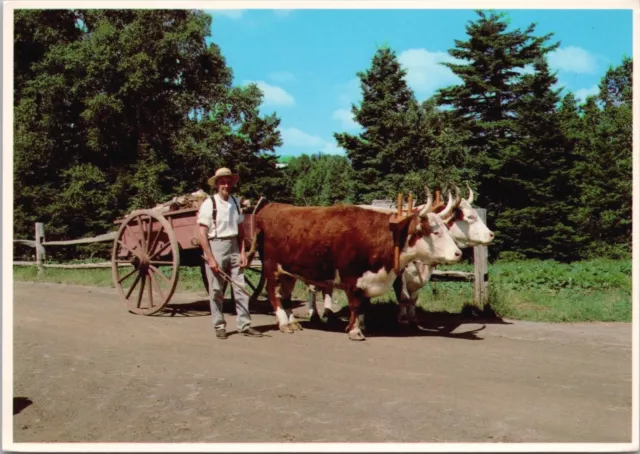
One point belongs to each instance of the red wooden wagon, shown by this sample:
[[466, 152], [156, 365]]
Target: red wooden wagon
[[149, 249]]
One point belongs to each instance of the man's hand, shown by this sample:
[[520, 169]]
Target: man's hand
[[243, 260], [213, 265]]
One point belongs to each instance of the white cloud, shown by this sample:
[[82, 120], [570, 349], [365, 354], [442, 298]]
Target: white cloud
[[231, 13], [345, 116], [282, 76], [282, 13], [332, 148], [425, 74], [294, 137], [528, 69], [573, 59], [583, 93], [273, 95]]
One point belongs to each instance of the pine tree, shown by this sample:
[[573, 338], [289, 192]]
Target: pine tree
[[491, 64], [605, 172], [539, 194], [381, 154]]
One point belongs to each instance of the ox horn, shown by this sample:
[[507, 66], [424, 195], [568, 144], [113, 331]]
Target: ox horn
[[458, 198], [449, 208], [470, 199], [427, 206]]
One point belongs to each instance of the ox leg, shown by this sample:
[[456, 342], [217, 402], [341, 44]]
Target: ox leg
[[356, 320], [286, 289], [411, 311], [276, 303], [403, 298], [327, 301], [312, 311]]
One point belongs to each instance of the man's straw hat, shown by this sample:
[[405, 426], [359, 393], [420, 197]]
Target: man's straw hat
[[223, 172]]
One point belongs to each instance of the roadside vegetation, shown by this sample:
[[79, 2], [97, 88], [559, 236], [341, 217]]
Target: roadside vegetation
[[592, 290]]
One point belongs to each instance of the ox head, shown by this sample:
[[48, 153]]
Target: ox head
[[465, 226], [432, 242]]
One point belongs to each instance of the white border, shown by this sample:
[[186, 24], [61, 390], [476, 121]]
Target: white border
[[7, 232]]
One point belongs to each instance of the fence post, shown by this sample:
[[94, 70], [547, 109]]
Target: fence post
[[40, 253], [480, 254]]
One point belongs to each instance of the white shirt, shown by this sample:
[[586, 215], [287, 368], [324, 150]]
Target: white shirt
[[227, 218]]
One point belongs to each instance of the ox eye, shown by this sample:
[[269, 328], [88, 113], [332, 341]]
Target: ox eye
[[471, 217]]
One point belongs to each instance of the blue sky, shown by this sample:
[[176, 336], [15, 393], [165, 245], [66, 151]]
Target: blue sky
[[306, 61]]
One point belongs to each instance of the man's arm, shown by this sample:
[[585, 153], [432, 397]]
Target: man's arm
[[203, 230]]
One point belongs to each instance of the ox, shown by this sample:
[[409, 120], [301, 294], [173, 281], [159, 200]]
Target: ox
[[344, 246], [467, 230]]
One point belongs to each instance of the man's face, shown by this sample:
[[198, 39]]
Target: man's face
[[225, 185]]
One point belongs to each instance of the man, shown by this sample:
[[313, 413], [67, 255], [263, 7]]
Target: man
[[222, 241]]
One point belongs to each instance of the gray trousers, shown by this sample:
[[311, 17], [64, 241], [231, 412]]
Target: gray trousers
[[227, 255]]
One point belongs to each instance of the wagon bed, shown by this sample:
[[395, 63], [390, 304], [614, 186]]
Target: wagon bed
[[149, 248]]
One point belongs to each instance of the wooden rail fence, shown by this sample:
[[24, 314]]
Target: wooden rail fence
[[40, 243], [479, 277]]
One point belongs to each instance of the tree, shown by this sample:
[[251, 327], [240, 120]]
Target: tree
[[119, 109], [319, 180], [382, 152], [539, 193], [606, 165], [490, 63]]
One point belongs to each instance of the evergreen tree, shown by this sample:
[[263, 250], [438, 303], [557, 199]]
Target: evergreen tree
[[319, 180], [606, 168], [539, 194], [491, 62], [381, 154]]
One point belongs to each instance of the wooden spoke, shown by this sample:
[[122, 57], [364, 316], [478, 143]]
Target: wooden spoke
[[150, 291], [157, 287], [128, 248], [157, 271], [133, 286], [160, 262], [159, 251], [140, 293], [126, 276]]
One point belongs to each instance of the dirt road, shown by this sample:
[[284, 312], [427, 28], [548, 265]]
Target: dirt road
[[87, 370]]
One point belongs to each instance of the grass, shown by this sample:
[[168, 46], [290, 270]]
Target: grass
[[594, 290]]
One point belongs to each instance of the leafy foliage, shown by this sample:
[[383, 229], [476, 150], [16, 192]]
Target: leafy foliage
[[121, 109]]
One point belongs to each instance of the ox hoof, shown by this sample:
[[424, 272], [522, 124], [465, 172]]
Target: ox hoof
[[296, 326], [356, 336], [286, 329]]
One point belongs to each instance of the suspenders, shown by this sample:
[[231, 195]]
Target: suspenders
[[215, 210]]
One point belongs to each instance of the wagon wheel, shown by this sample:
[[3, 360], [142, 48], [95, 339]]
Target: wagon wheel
[[143, 250]]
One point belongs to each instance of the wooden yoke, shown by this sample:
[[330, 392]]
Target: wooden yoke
[[397, 222]]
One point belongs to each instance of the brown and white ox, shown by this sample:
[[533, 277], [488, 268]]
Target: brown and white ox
[[346, 247], [467, 230]]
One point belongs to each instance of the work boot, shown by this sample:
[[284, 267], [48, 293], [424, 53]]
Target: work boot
[[252, 332], [221, 333]]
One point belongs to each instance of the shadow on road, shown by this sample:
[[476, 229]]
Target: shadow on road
[[380, 319], [20, 403], [201, 308]]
